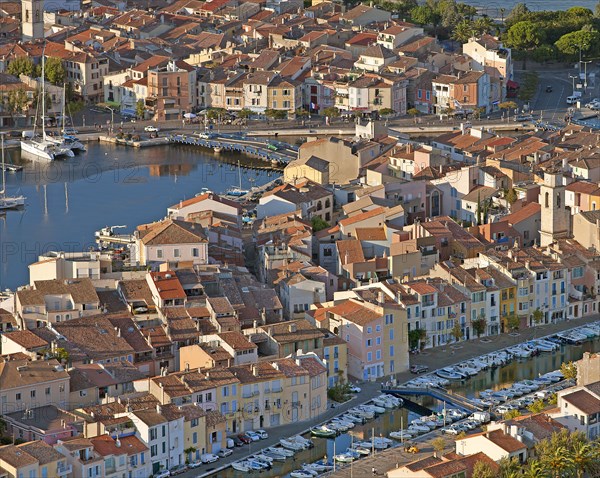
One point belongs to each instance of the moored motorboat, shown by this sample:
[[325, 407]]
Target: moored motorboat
[[323, 431]]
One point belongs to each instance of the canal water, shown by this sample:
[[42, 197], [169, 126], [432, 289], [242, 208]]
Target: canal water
[[67, 201], [393, 420]]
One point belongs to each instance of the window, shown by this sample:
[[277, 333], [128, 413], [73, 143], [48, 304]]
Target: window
[[32, 393], [369, 356], [159, 253], [153, 450], [194, 422], [176, 252], [389, 319], [378, 328], [378, 340], [378, 354], [153, 434], [47, 390], [369, 342], [391, 350], [369, 330], [195, 252], [391, 334]]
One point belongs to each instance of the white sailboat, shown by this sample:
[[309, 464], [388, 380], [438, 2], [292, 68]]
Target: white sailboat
[[68, 140], [40, 148], [237, 190], [8, 202]]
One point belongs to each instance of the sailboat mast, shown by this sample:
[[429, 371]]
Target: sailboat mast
[[64, 109], [240, 174], [3, 171], [44, 93]]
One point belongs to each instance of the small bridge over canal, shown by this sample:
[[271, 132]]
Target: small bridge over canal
[[275, 152], [457, 401]]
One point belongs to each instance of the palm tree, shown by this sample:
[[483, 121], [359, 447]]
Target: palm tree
[[535, 469], [584, 458], [559, 460]]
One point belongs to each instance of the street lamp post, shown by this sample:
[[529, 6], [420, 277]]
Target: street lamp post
[[112, 119], [573, 78], [585, 64]]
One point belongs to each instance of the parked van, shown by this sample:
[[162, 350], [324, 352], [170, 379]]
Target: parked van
[[27, 134]]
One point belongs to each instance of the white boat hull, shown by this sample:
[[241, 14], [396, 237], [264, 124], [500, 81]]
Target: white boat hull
[[40, 151]]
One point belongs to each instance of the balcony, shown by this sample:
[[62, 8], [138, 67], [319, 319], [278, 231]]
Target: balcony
[[64, 469]]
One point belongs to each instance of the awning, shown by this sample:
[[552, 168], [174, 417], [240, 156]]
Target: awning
[[512, 84]]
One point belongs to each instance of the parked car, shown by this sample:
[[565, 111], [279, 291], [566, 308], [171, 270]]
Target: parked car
[[151, 129], [419, 369], [245, 438], [230, 443], [253, 435], [523, 118], [177, 470], [162, 474], [355, 389], [208, 458], [194, 464], [262, 434], [549, 89], [237, 441], [223, 452]]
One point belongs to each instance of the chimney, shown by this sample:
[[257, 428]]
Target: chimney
[[292, 328], [380, 298], [254, 370], [158, 408]]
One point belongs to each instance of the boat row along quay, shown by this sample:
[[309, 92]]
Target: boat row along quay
[[275, 153]]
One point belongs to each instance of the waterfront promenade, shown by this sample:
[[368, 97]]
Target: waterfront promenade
[[435, 358]]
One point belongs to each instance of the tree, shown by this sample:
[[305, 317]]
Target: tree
[[538, 316], [524, 36], [21, 66], [414, 112], [37, 98], [424, 15], [439, 444], [301, 113], [509, 467], [55, 71], [479, 325], [510, 196], [511, 322], [483, 25], [215, 113], [537, 406], [569, 370], [511, 414], [331, 112], [275, 114], [140, 109], [572, 43], [416, 338], [558, 460], [318, 223], [463, 31], [519, 13], [457, 331], [585, 459], [535, 469], [17, 101], [188, 452], [386, 112], [507, 105], [483, 469]]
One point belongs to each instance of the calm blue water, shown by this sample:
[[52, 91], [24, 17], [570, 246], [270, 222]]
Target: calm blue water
[[67, 201], [493, 8]]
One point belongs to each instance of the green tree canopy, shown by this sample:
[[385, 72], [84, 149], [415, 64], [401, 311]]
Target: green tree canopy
[[17, 100], [21, 66], [245, 113], [483, 470], [140, 109], [424, 15], [571, 43], [463, 31], [318, 223], [55, 71], [524, 35], [332, 112], [569, 370], [479, 325], [519, 13]]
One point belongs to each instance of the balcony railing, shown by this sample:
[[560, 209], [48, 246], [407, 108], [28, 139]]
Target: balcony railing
[[64, 469]]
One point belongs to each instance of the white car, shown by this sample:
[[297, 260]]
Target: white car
[[208, 458], [163, 474], [253, 435], [151, 129], [194, 464], [355, 389], [223, 452], [262, 434]]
